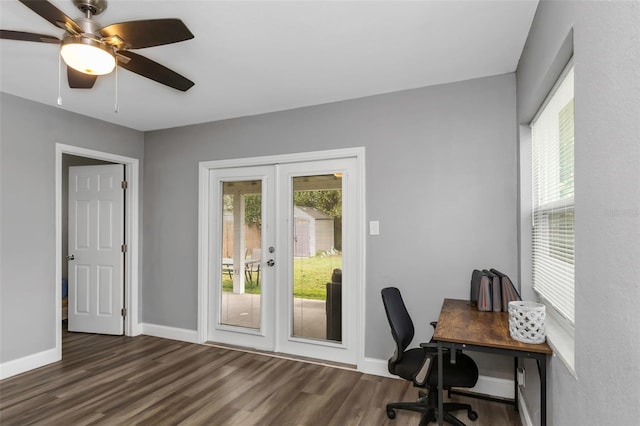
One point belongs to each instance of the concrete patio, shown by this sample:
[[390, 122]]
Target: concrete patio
[[244, 310]]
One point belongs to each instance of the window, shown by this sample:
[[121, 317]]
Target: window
[[552, 134]]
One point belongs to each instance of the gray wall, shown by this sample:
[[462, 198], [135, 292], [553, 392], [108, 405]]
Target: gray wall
[[28, 134], [441, 179], [606, 42]]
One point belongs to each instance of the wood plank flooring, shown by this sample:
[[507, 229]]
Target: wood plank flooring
[[114, 380]]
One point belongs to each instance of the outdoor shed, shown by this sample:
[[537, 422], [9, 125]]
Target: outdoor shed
[[313, 231]]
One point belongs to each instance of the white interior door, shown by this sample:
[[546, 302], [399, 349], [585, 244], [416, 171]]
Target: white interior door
[[273, 253], [96, 258]]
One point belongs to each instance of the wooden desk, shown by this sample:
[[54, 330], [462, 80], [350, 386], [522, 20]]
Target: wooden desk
[[462, 326]]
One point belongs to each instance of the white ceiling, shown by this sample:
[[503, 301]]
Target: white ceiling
[[253, 57]]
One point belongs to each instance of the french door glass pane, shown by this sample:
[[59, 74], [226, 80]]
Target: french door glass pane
[[317, 257], [241, 253]]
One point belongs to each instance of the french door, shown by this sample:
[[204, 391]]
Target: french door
[[242, 223], [283, 255]]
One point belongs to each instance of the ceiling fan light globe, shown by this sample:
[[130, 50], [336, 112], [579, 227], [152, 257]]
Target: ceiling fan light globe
[[87, 56]]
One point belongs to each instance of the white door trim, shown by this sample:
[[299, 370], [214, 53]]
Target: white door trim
[[203, 229], [131, 326]]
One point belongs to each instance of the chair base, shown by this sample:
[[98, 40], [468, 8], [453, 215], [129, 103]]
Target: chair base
[[428, 405]]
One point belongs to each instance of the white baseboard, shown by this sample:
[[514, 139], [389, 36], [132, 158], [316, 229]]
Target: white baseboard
[[487, 385], [377, 367], [494, 386], [29, 362], [172, 333], [525, 417]]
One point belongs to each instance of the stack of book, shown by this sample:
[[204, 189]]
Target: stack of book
[[491, 290]]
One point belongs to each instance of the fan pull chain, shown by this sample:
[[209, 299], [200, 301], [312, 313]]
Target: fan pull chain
[[116, 107], [59, 79]]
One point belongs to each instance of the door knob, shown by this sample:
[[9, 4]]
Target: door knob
[[270, 262], [71, 257]]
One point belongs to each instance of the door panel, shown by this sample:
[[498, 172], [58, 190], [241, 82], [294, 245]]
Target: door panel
[[242, 302], [81, 287], [82, 221], [96, 235], [105, 290], [319, 321], [106, 225]]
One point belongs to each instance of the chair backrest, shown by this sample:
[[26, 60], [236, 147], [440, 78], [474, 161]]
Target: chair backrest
[[400, 322], [253, 254]]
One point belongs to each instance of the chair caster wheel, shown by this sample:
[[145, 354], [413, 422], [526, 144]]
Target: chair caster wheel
[[472, 415], [392, 414]]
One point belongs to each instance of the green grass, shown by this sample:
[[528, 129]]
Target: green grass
[[310, 276]]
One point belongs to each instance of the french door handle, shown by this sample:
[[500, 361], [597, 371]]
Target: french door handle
[[270, 262]]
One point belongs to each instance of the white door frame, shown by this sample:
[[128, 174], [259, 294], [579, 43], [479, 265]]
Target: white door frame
[[131, 325], [203, 230]]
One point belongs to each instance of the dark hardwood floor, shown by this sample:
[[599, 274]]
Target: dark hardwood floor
[[113, 380]]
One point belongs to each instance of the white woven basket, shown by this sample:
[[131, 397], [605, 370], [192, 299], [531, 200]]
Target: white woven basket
[[526, 321]]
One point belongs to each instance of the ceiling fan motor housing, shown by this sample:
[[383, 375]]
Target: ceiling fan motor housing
[[75, 46], [89, 26]]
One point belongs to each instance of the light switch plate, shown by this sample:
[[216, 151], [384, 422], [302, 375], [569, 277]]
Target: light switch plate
[[374, 227]]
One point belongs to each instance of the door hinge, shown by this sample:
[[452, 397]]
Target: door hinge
[[123, 248], [125, 184], [123, 311]]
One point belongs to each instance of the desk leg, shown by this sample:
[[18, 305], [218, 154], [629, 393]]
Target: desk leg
[[542, 369], [440, 382], [515, 383]]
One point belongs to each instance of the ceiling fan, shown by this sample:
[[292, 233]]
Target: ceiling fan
[[90, 50]]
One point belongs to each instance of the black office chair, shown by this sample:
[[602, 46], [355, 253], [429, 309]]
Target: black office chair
[[420, 365]]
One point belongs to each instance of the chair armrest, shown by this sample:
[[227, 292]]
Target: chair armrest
[[421, 376]]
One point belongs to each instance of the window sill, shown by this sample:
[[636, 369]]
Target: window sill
[[561, 341]]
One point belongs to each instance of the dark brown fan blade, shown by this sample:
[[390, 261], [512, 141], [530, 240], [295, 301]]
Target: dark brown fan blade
[[148, 33], [52, 14], [22, 36], [153, 70], [79, 80]]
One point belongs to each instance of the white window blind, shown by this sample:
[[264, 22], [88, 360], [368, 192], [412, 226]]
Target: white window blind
[[552, 132]]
